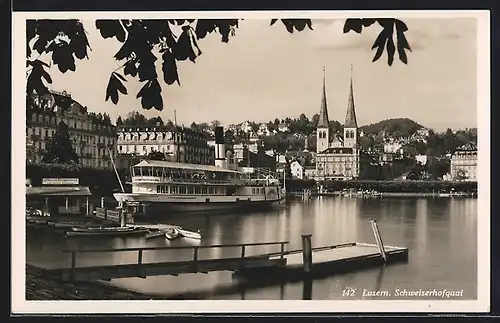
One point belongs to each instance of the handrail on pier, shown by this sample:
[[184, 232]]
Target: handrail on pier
[[195, 249]]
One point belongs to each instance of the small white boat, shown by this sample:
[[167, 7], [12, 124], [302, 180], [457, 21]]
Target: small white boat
[[189, 234], [155, 234], [172, 233]]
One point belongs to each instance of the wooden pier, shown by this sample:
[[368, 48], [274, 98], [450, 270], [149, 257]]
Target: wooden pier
[[143, 269], [283, 264]]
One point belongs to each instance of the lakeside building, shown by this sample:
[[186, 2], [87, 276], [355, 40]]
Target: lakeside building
[[179, 144], [337, 157], [91, 136], [252, 155], [463, 165]]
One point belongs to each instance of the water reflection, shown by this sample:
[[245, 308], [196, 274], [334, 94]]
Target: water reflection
[[441, 235]]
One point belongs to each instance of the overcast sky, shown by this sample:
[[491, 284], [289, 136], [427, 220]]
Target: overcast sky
[[264, 72]]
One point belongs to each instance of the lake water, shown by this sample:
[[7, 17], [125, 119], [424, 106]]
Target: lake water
[[441, 235]]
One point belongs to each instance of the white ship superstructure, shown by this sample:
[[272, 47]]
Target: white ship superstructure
[[163, 186]]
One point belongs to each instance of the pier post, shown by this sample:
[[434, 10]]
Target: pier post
[[45, 208], [66, 203], [121, 215], [378, 239], [307, 252], [102, 202], [73, 266]]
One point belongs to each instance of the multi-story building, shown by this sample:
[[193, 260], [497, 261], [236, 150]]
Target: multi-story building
[[93, 139], [463, 164], [337, 157], [297, 169], [179, 144]]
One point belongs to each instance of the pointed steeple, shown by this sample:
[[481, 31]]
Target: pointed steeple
[[350, 118], [323, 112]]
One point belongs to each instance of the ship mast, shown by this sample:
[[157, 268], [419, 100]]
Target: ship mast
[[176, 142], [116, 171]]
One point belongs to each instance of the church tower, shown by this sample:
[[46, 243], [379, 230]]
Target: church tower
[[323, 128], [351, 124]]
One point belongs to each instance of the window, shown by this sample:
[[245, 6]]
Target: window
[[210, 190], [253, 190], [190, 190], [262, 191], [158, 189], [197, 190], [204, 190]]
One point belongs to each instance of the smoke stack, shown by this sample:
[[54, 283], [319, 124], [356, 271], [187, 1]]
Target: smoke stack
[[220, 149]]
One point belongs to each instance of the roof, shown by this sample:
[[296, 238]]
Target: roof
[[350, 118], [470, 146], [323, 121], [59, 191], [337, 150], [168, 164]]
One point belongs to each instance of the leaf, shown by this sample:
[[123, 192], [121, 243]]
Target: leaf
[[111, 28], [119, 76], [150, 95], [130, 68], [63, 58], [273, 21], [114, 86], [46, 76], [353, 24], [125, 50], [147, 69], [288, 25], [379, 44], [309, 24], [390, 50], [169, 68], [367, 22], [183, 48]]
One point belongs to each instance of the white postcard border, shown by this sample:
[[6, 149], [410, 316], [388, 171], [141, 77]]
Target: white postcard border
[[20, 305]]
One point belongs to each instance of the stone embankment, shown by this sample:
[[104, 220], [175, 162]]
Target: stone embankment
[[42, 288]]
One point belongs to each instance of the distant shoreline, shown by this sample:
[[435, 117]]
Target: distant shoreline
[[400, 194]]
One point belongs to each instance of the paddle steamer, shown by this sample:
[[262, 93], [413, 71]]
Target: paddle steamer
[[165, 186]]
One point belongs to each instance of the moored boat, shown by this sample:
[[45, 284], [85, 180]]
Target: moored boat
[[155, 234], [172, 233], [189, 234], [105, 231]]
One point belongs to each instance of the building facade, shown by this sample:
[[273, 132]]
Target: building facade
[[297, 169], [463, 165], [176, 143], [93, 140], [337, 157]]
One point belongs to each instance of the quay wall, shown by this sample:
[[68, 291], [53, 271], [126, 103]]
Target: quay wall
[[403, 186]]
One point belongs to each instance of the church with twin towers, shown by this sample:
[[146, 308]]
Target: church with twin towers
[[337, 157]]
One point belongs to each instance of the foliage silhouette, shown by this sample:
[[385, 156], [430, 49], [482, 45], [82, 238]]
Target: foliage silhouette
[[60, 150], [144, 41]]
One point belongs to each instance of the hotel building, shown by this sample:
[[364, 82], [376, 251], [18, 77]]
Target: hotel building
[[93, 139]]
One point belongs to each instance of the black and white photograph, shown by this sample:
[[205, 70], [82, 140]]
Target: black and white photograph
[[319, 161]]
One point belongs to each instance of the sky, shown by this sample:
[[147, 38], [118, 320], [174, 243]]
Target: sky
[[264, 73]]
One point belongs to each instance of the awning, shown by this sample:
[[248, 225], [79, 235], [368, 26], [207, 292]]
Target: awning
[[58, 191]]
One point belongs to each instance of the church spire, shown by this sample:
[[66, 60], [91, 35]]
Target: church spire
[[323, 113], [350, 119]]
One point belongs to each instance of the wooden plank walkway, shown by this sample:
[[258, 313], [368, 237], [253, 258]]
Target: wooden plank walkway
[[338, 253]]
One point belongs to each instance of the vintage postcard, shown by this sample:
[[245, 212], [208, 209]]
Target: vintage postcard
[[216, 162]]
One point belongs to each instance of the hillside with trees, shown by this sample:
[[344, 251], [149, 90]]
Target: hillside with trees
[[394, 127]]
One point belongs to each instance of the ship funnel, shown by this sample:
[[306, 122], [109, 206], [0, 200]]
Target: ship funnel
[[220, 148]]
